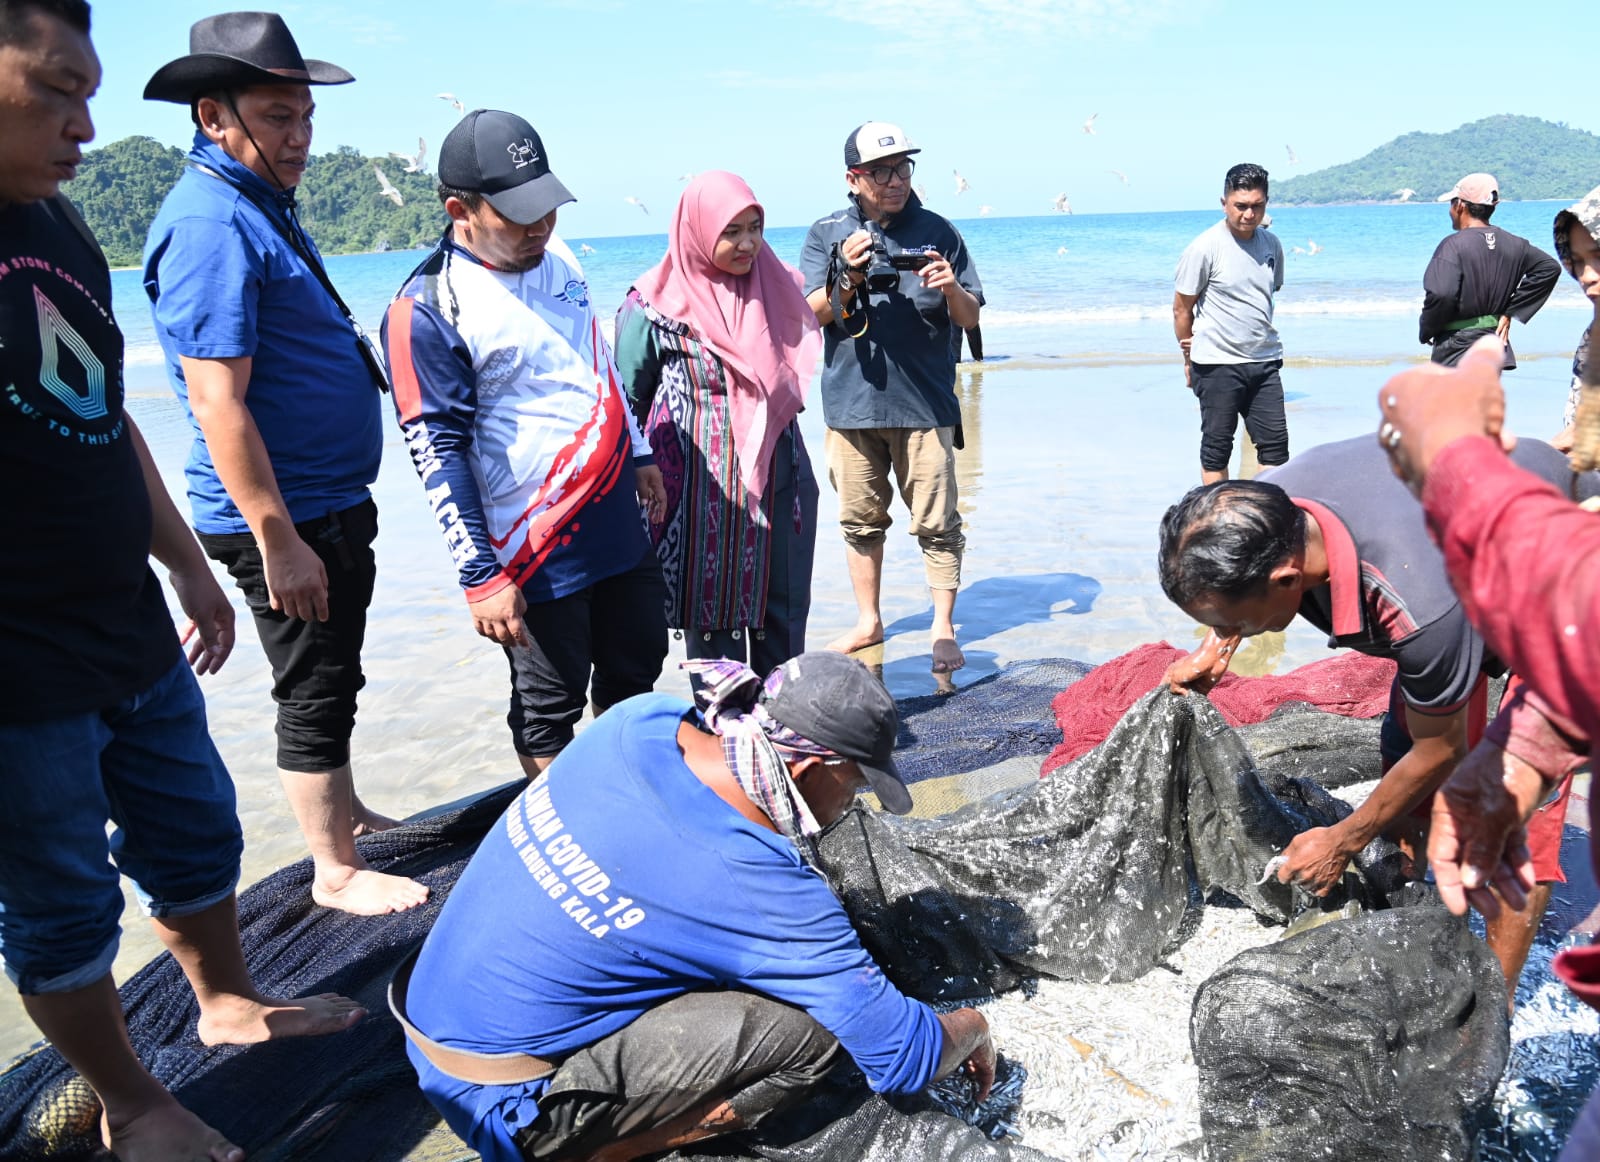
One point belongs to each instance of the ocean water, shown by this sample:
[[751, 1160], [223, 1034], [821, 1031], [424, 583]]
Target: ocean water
[[1107, 299]]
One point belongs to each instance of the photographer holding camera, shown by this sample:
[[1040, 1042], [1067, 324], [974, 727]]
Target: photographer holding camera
[[893, 286]]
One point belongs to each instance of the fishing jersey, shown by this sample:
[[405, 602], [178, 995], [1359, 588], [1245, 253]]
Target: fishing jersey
[[516, 423]]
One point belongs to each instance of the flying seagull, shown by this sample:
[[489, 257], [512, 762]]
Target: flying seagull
[[585, 248], [637, 202], [1293, 158], [1062, 250], [1062, 205], [1314, 248], [1088, 126], [1120, 174], [961, 183], [983, 211], [922, 192], [413, 160], [386, 187], [1405, 195], [686, 177], [453, 99]]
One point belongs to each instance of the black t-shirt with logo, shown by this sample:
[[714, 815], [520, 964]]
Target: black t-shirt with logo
[[83, 622]]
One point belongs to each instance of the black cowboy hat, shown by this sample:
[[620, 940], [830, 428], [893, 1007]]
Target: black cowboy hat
[[235, 50]]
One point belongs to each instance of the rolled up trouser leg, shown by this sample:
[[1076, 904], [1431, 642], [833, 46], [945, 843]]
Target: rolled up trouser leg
[[758, 1055], [858, 468], [925, 469]]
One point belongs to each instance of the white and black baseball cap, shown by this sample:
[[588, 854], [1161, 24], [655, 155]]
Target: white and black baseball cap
[[500, 156], [874, 141], [838, 703]]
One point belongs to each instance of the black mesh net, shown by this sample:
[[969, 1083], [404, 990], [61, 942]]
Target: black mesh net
[[1085, 874], [1378, 1038]]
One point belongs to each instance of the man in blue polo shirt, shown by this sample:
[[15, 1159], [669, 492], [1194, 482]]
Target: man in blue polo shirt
[[282, 393], [890, 342], [642, 953], [1334, 538]]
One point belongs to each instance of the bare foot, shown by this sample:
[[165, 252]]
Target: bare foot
[[239, 1020], [166, 1132], [859, 637], [368, 822], [364, 892], [947, 656]]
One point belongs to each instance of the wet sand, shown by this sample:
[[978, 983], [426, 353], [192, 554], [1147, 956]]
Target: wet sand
[[1064, 478]]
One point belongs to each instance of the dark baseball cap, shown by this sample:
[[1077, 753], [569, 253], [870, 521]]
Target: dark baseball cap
[[500, 156], [836, 702]]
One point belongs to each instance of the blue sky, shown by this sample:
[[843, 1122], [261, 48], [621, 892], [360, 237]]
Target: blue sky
[[630, 95]]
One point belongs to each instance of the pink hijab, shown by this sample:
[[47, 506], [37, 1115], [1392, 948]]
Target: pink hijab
[[759, 324]]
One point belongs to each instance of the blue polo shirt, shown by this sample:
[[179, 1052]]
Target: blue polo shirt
[[224, 283], [617, 881], [902, 372]]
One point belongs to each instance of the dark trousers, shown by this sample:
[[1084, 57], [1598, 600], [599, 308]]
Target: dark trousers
[[758, 1055], [615, 631], [316, 665], [1227, 391]]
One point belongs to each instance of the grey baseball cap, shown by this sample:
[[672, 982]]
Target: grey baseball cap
[[501, 156], [836, 702]]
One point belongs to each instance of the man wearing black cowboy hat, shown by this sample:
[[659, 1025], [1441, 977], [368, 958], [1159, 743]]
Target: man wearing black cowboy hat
[[280, 388], [100, 714]]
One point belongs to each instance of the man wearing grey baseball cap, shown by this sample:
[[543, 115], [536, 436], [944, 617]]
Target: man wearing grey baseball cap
[[529, 456], [1480, 277], [643, 953]]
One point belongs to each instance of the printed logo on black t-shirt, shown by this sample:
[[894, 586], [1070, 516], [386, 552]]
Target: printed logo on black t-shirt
[[60, 352]]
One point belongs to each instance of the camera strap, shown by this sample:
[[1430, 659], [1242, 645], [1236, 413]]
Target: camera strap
[[836, 277], [287, 225]]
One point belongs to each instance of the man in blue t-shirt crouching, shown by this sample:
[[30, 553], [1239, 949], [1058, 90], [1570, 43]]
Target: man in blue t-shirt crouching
[[642, 954]]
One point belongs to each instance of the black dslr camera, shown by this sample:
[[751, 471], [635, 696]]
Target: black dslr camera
[[883, 268]]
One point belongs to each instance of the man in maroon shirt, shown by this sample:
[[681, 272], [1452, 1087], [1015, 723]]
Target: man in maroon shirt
[[1526, 563]]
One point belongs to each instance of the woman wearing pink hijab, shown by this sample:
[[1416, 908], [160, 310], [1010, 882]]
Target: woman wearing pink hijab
[[717, 346]]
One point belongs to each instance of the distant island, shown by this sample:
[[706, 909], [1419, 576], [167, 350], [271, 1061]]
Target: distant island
[[1533, 159], [120, 187]]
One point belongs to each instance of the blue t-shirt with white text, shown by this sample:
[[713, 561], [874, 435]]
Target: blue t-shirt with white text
[[619, 881]]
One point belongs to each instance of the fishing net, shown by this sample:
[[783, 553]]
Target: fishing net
[[1085, 874], [1377, 1038], [1348, 684]]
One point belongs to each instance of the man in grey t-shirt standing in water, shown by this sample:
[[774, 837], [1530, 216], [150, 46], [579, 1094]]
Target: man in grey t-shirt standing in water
[[1222, 312]]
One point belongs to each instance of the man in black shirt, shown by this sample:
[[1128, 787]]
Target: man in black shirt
[[1481, 277], [101, 718]]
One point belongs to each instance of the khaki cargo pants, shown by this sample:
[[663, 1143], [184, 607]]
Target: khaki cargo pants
[[923, 462]]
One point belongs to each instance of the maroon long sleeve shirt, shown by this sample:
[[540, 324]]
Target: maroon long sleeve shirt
[[1525, 561]]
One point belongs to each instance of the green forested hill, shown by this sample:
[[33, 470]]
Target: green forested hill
[[120, 186], [1533, 159]]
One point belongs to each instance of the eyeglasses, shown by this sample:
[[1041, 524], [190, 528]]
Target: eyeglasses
[[880, 174]]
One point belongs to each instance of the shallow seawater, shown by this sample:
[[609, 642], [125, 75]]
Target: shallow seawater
[[1066, 472]]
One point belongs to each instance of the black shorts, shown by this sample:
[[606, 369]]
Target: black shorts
[[616, 630], [316, 665], [1227, 391]]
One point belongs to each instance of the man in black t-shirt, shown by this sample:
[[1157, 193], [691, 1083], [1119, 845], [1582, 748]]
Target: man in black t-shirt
[[101, 719], [1480, 277], [1334, 538]]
